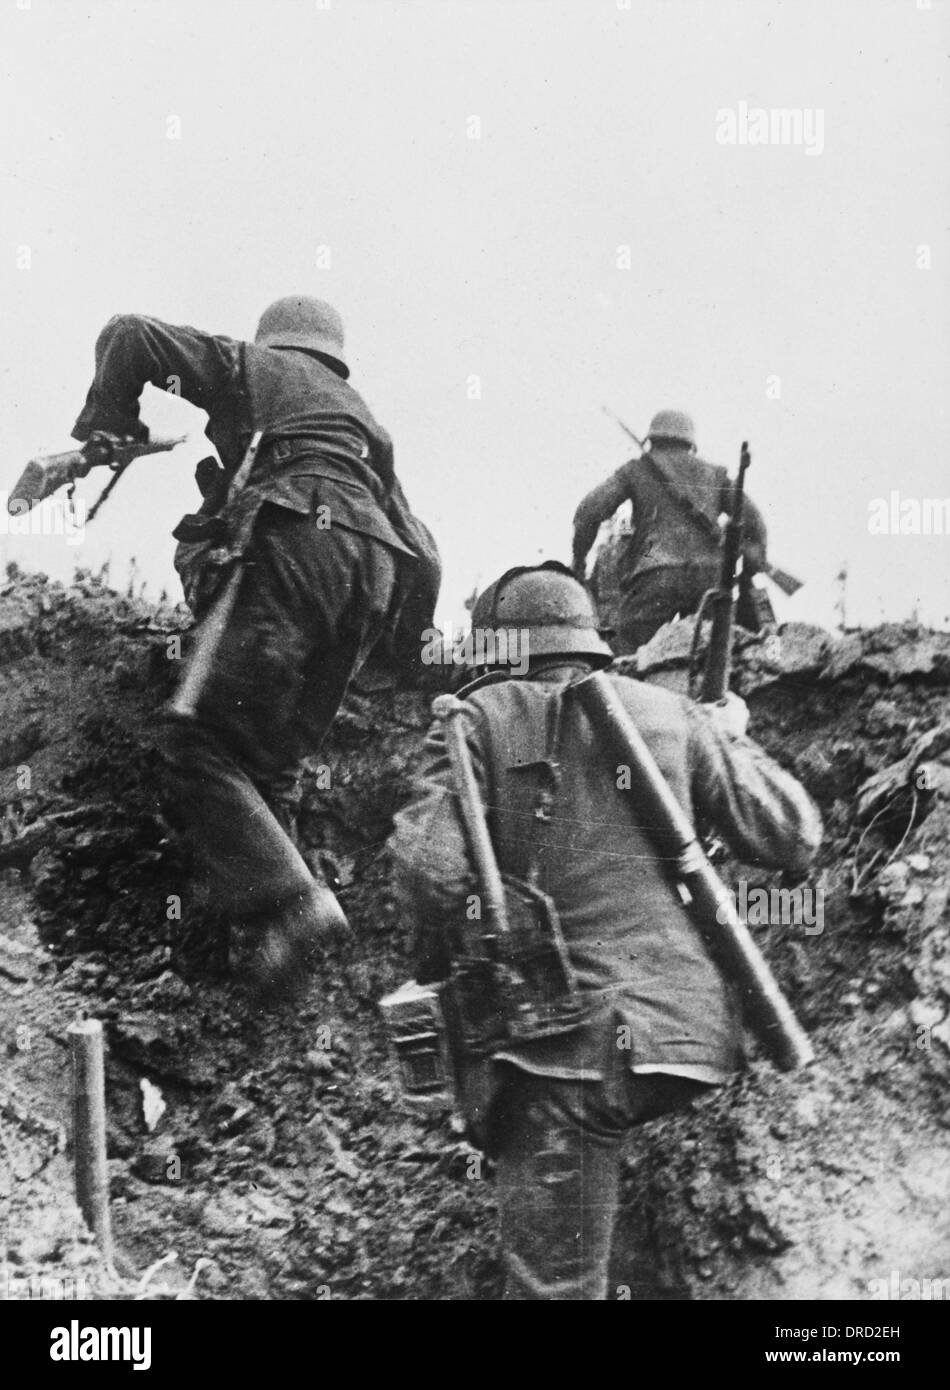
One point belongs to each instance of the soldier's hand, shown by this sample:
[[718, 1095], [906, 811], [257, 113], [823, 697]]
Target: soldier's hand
[[731, 714], [102, 447]]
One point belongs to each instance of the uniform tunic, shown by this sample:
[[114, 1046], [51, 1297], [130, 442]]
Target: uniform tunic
[[324, 443], [672, 556], [313, 602], [662, 1028], [639, 958]]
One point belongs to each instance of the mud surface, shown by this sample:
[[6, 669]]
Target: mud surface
[[271, 1152]]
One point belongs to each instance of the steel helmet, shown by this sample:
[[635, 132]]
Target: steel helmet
[[544, 601], [301, 322], [673, 424]]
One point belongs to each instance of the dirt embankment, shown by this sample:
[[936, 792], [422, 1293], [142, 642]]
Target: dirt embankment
[[283, 1164]]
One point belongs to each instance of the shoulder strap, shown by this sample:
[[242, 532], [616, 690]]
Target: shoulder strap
[[242, 473], [548, 787], [242, 385], [549, 780], [696, 514]]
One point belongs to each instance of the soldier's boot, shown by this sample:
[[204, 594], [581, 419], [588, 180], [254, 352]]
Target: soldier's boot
[[287, 944]]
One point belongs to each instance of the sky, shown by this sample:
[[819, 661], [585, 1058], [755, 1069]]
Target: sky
[[524, 210]]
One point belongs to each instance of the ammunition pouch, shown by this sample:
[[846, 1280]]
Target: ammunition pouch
[[195, 528]]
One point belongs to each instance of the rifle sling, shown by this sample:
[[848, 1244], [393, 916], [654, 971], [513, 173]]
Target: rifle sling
[[712, 529], [548, 787]]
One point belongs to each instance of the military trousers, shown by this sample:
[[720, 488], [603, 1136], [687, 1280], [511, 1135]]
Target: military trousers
[[558, 1148], [650, 599], [311, 606]]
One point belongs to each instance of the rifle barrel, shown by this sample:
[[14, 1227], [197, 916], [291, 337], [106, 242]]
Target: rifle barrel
[[626, 429]]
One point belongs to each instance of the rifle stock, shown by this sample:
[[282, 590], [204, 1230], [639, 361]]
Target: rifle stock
[[786, 582], [42, 477], [711, 903], [47, 473]]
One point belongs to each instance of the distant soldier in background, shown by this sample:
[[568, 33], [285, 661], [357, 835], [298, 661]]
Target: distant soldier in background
[[334, 567], [671, 556]]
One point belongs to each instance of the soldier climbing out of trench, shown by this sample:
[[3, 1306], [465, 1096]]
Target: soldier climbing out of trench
[[655, 1023], [306, 524], [670, 558]]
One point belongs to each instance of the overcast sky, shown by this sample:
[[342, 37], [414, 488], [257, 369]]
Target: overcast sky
[[527, 213]]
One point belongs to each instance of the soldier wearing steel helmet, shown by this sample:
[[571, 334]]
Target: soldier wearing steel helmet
[[325, 574], [660, 1027], [670, 557]]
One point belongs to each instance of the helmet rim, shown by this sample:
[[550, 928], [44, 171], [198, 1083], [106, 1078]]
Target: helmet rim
[[672, 426], [301, 321], [561, 621]]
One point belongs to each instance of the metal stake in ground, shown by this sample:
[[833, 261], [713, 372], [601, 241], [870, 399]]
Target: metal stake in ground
[[89, 1130]]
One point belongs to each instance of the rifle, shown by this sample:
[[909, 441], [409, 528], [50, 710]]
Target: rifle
[[722, 601], [47, 473], [712, 905], [786, 582]]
